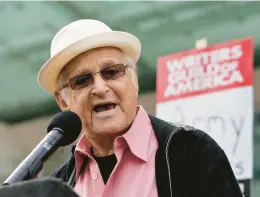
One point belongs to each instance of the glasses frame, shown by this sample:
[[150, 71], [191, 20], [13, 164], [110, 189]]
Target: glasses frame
[[67, 85]]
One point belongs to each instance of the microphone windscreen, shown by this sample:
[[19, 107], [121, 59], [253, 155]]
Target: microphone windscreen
[[38, 188], [70, 124]]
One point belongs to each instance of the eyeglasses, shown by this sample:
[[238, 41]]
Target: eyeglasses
[[110, 72]]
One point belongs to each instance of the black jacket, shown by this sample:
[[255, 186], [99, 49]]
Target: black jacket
[[188, 163]]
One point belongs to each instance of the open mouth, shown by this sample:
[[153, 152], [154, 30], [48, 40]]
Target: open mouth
[[104, 107]]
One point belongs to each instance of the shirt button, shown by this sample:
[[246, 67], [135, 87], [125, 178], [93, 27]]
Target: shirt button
[[95, 176]]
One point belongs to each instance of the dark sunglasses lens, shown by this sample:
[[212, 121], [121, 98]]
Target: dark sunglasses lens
[[81, 81], [113, 72]]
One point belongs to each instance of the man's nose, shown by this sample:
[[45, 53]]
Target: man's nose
[[99, 85]]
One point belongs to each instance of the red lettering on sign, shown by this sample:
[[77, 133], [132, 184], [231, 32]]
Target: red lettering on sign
[[198, 71]]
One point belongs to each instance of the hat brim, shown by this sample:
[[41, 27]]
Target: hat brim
[[128, 43]]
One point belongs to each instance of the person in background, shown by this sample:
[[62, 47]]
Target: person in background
[[124, 151]]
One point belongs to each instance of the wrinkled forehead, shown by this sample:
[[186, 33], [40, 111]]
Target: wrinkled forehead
[[92, 61]]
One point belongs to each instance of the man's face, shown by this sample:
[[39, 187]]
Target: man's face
[[105, 106]]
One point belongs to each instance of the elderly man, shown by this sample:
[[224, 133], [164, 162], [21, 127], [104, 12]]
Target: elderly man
[[124, 151]]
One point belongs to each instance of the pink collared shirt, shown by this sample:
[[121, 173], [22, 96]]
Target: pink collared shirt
[[134, 173]]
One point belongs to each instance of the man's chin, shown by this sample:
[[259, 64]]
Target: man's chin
[[108, 127]]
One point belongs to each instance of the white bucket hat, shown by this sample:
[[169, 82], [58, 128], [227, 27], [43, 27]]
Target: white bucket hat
[[78, 37]]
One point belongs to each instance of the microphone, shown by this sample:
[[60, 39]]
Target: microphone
[[63, 130]]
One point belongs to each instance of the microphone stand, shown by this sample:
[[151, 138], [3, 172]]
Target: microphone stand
[[33, 163]]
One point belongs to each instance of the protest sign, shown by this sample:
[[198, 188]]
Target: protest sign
[[212, 89]]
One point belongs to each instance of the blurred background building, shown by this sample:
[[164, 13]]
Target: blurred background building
[[163, 28]]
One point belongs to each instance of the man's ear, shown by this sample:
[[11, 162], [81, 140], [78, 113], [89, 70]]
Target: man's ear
[[137, 81], [60, 101]]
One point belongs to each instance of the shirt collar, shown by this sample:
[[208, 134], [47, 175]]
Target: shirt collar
[[138, 136], [83, 147]]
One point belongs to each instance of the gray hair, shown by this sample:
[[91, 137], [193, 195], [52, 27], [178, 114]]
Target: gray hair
[[129, 61], [133, 65]]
